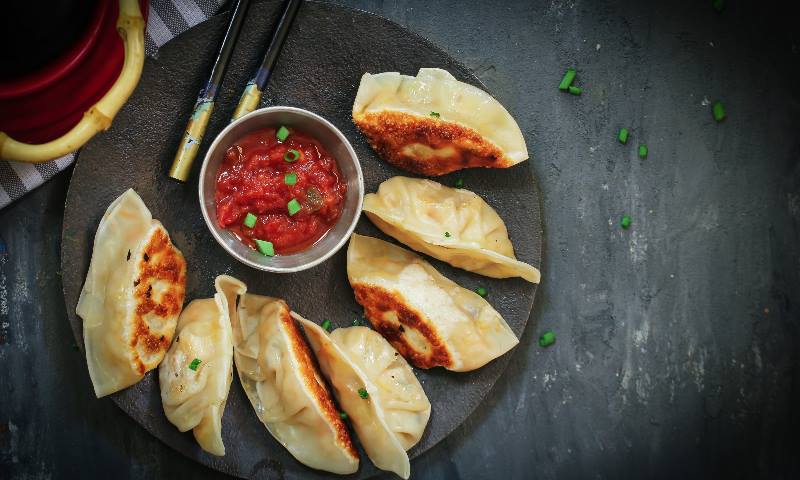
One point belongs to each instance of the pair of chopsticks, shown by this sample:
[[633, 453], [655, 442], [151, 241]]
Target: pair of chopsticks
[[206, 99]]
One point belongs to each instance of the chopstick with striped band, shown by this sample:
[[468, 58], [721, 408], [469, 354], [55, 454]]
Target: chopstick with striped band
[[196, 128], [255, 87]]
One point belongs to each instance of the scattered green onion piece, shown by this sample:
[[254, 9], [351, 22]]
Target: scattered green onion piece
[[625, 222], [718, 5], [718, 111], [326, 325], [250, 220], [623, 136], [265, 248], [481, 291], [569, 76], [548, 338], [291, 155], [362, 392], [435, 114], [195, 363], [642, 150], [357, 323], [459, 183], [293, 206], [290, 178], [282, 134], [575, 90], [447, 234], [343, 415]]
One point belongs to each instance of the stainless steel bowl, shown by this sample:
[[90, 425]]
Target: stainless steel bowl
[[334, 142]]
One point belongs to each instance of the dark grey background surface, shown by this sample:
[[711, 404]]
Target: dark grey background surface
[[676, 351]]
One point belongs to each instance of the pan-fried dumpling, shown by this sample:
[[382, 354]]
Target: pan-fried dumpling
[[132, 296], [432, 124], [427, 317], [281, 379], [195, 376], [376, 388], [452, 224]]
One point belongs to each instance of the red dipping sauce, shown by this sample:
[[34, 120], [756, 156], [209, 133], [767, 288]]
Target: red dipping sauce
[[253, 179]]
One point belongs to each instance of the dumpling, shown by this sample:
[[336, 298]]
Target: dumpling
[[452, 224], [281, 379], [195, 376], [376, 388], [432, 124], [427, 317], [132, 296]]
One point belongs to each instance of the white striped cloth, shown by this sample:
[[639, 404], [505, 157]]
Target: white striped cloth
[[167, 18]]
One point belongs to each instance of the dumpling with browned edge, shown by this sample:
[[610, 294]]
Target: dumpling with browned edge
[[281, 379], [433, 124], [428, 318], [132, 296], [452, 224]]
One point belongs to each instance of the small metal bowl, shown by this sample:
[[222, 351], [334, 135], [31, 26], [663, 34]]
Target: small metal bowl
[[334, 142]]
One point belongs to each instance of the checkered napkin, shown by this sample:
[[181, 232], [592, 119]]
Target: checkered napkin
[[167, 18]]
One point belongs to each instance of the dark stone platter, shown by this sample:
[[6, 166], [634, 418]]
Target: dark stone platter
[[328, 50]]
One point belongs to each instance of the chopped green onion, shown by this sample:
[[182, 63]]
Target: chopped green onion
[[569, 76], [283, 133], [481, 291], [265, 248], [293, 206], [718, 5], [575, 90], [447, 234], [362, 392], [326, 325], [435, 114], [195, 363], [290, 178], [642, 150], [343, 415], [459, 183], [291, 155], [718, 111], [548, 338], [250, 220], [625, 222], [623, 136], [357, 323]]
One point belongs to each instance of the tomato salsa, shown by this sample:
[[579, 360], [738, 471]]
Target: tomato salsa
[[278, 190]]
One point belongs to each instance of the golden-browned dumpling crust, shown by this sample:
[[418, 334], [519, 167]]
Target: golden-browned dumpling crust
[[433, 124], [132, 296], [428, 318]]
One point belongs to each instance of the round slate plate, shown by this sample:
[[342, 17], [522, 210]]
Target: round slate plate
[[328, 50]]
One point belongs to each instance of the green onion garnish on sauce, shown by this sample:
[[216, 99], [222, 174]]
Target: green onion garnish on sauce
[[447, 234], [265, 248], [250, 220], [481, 291], [293, 206], [282, 134], [435, 114], [343, 415], [459, 183], [326, 325], [548, 338], [623, 136], [195, 363], [290, 178], [569, 76], [362, 392], [291, 155], [574, 90], [642, 150], [625, 222]]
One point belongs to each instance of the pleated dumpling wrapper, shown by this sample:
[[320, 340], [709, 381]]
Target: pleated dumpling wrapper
[[433, 124], [452, 224], [427, 317], [132, 296], [282, 382], [376, 388], [195, 376]]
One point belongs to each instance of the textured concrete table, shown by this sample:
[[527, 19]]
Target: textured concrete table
[[677, 339]]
